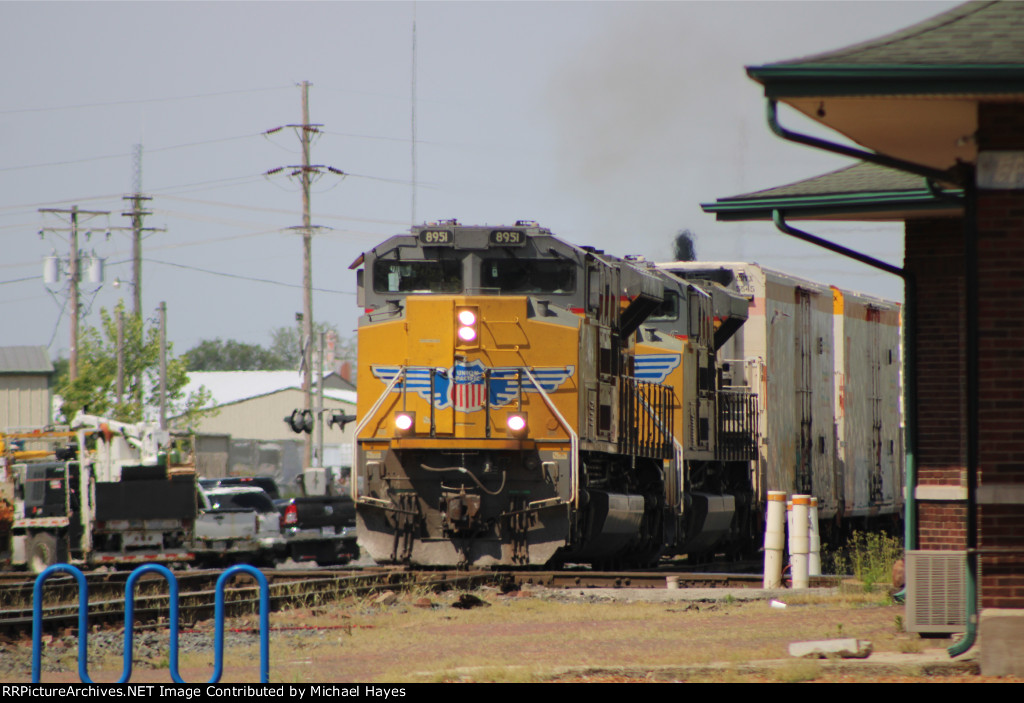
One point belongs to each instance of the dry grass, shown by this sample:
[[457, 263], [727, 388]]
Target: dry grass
[[528, 639], [798, 671]]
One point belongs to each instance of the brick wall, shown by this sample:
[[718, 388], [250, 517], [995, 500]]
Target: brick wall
[[1001, 361], [934, 252]]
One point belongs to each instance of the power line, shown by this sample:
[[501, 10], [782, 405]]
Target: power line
[[20, 280], [247, 278], [106, 157], [138, 101], [64, 163], [202, 185], [280, 211]]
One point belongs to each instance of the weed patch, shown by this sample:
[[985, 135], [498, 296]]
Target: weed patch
[[798, 671], [869, 556]]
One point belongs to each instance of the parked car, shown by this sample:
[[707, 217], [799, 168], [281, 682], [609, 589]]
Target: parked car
[[318, 526], [267, 483], [237, 524]]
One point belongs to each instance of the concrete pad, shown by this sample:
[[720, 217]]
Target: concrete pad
[[848, 648], [1001, 633]]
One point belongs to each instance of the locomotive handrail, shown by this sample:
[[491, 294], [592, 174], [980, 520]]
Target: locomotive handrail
[[373, 412], [574, 439], [677, 453], [633, 441], [129, 621], [737, 421]]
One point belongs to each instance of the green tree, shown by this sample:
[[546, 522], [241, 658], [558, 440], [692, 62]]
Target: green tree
[[285, 342], [95, 389], [230, 355]]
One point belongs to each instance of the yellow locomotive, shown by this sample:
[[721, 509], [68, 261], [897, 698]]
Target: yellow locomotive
[[526, 401]]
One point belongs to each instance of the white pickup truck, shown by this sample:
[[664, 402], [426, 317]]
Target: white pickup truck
[[237, 525]]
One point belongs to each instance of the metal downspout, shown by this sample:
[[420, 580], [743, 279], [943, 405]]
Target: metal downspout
[[971, 304], [965, 180]]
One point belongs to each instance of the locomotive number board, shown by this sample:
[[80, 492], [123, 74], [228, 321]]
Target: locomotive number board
[[436, 237], [507, 238]]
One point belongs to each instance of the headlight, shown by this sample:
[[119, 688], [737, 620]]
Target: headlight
[[405, 423], [517, 425], [466, 333]]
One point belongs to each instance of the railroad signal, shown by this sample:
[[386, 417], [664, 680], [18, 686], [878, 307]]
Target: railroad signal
[[301, 421], [339, 419]]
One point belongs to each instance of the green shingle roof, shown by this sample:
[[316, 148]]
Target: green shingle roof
[[861, 191], [985, 33], [974, 49]]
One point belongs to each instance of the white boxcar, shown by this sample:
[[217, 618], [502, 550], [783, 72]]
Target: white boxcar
[[825, 366], [868, 404]]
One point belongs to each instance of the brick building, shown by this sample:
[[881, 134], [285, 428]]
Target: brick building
[[938, 109]]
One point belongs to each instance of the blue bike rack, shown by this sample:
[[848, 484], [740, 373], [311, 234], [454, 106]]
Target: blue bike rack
[[129, 621]]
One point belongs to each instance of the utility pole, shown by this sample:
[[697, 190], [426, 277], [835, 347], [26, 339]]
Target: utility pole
[[74, 275], [136, 213], [413, 115], [306, 173], [120, 356], [307, 269], [320, 404], [163, 365]]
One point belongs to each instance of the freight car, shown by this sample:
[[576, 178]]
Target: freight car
[[825, 365], [526, 401]]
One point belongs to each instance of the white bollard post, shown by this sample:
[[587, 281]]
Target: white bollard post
[[814, 557], [789, 528], [798, 557], [774, 539]]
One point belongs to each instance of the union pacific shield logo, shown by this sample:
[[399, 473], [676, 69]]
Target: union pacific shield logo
[[468, 387], [655, 368], [465, 388]]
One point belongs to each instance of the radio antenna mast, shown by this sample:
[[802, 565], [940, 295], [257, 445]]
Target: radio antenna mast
[[413, 113]]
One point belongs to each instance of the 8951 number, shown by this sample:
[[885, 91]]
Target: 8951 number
[[507, 237]]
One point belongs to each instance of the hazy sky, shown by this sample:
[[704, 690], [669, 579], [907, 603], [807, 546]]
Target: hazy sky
[[608, 122]]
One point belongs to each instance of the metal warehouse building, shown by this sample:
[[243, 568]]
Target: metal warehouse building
[[26, 395]]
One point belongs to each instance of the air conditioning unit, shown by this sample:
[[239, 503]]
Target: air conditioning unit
[[936, 591]]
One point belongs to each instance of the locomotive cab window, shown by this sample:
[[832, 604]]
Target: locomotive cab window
[[667, 310], [520, 276], [444, 276]]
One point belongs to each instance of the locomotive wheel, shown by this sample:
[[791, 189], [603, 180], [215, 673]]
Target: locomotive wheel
[[44, 550]]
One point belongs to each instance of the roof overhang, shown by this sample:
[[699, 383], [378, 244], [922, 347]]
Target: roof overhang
[[924, 114], [862, 192], [879, 207]]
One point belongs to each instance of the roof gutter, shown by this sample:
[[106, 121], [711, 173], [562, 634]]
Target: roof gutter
[[962, 178], [931, 174]]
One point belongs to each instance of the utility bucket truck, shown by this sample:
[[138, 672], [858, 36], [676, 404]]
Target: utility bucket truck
[[100, 492]]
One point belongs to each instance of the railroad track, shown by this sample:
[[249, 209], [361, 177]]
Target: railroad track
[[288, 589], [304, 588]]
